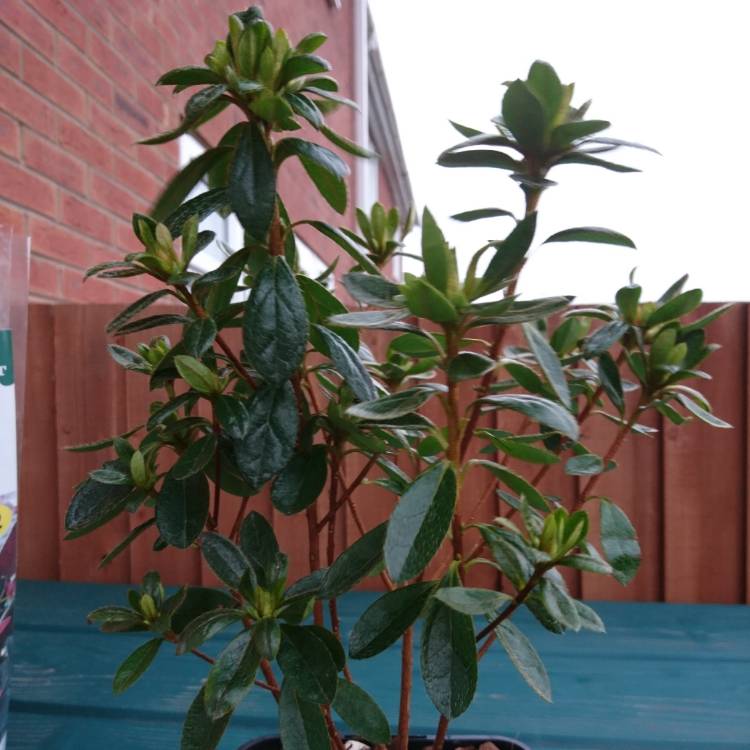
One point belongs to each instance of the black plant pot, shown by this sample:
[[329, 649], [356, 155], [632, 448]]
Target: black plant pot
[[416, 742]]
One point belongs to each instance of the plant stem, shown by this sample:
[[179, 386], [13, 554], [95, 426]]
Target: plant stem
[[213, 522], [270, 678], [407, 647], [347, 493], [203, 656], [442, 730], [234, 535], [314, 557]]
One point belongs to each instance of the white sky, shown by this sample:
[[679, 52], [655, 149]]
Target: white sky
[[673, 75]]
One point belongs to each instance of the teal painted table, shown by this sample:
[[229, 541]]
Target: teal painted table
[[666, 677]]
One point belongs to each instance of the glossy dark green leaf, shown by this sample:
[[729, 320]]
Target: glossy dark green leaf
[[539, 409], [134, 308], [93, 503], [201, 206], [195, 458], [584, 465], [544, 83], [268, 445], [301, 723], [468, 365], [676, 307], [275, 325], [126, 542], [481, 213], [182, 509], [135, 665], [205, 626], [703, 414], [252, 183], [605, 337], [619, 542], [361, 713], [519, 484], [449, 659], [524, 115], [427, 301], [591, 234], [152, 321], [548, 360], [525, 310], [523, 450], [577, 157], [231, 676], [609, 377], [231, 413], [190, 75], [326, 169], [343, 242], [301, 481], [355, 563], [478, 158], [259, 544], [196, 601], [387, 618], [348, 364], [524, 658], [200, 731], [307, 664], [267, 638], [508, 256], [370, 289], [171, 407], [471, 601], [116, 619], [199, 336], [511, 560], [568, 132], [439, 262], [225, 558], [419, 523], [346, 145], [394, 405]]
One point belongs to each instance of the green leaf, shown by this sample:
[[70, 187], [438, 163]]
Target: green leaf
[[199, 336], [202, 206], [326, 169], [709, 317], [604, 337], [354, 563], [268, 445], [439, 262], [544, 83], [301, 723], [508, 257], [426, 301], [523, 311], [371, 290], [200, 731], [181, 185], [321, 305], [542, 410], [259, 544], [387, 618], [197, 375], [94, 503], [524, 658], [189, 75], [591, 234], [577, 157], [116, 619], [231, 676], [619, 542], [517, 483], [206, 626], [548, 360], [524, 116], [301, 481], [232, 416], [584, 465], [419, 523], [151, 321], [609, 377], [135, 665], [346, 145], [481, 213], [182, 509], [471, 601], [449, 659], [252, 183], [134, 308], [478, 158], [311, 42], [341, 240], [200, 108], [590, 620], [468, 365], [164, 412], [361, 713], [195, 458], [126, 542], [393, 405], [225, 558], [676, 307], [560, 604], [197, 600], [565, 134], [267, 638], [703, 414], [307, 664], [522, 450], [348, 364], [275, 325], [374, 319]]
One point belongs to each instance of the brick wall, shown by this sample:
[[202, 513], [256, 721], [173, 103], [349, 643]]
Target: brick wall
[[76, 93]]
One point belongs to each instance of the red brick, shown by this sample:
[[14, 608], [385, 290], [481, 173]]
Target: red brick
[[26, 189], [10, 51], [76, 66], [46, 158], [75, 137], [111, 128], [57, 241], [94, 290], [12, 217], [115, 198], [155, 103], [23, 104], [9, 136], [112, 64], [27, 24], [131, 49], [49, 82], [65, 20], [95, 12], [131, 112], [136, 179], [86, 218], [44, 277]]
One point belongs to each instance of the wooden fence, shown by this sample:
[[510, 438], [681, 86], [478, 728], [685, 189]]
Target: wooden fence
[[685, 489]]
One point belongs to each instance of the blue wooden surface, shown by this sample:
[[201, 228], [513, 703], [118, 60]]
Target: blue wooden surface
[[667, 677]]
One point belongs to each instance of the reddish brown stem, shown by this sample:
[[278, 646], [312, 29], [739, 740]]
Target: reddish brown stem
[[270, 678], [347, 493], [314, 557], [234, 535], [214, 520], [442, 730], [407, 646], [203, 656]]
